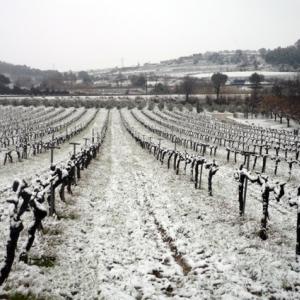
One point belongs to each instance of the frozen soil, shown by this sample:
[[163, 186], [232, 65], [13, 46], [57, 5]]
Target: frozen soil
[[135, 230]]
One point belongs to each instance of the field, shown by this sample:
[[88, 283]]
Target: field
[[135, 228]]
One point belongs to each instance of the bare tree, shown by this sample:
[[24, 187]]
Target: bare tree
[[255, 80], [218, 80], [188, 86]]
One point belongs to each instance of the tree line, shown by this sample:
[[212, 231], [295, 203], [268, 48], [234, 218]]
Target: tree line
[[289, 56], [8, 88]]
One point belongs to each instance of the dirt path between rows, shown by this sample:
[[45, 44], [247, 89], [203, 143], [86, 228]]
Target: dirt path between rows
[[134, 230], [116, 248]]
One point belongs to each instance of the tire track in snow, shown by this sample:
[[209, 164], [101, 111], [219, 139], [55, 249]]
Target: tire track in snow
[[170, 241]]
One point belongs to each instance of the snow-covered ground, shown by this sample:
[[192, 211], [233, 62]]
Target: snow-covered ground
[[135, 230], [247, 74], [265, 123]]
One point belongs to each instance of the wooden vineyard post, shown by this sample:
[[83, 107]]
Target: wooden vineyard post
[[74, 153], [201, 170], [247, 155], [159, 142], [180, 136], [150, 140], [74, 147], [298, 234], [296, 203], [52, 191], [93, 133], [158, 152], [85, 142], [99, 136], [265, 156], [243, 142]]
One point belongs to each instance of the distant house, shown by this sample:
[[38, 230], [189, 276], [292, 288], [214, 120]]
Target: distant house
[[238, 82]]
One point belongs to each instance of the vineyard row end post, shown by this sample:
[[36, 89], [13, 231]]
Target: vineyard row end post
[[247, 154], [52, 191]]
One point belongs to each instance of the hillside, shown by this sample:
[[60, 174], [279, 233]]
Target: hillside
[[25, 75], [276, 60], [239, 60], [280, 59]]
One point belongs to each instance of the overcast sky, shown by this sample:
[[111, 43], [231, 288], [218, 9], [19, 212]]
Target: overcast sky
[[89, 34]]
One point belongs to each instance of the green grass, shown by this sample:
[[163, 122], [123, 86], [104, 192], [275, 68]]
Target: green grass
[[43, 261], [70, 216], [19, 296]]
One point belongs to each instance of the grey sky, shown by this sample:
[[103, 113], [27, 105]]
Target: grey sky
[[85, 34]]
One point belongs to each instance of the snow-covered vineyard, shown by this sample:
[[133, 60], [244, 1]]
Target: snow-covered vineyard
[[146, 204]]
